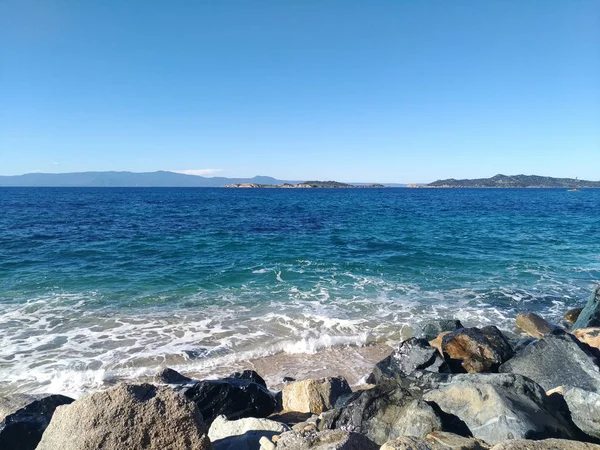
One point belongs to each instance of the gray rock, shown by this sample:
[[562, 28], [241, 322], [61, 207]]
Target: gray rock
[[249, 375], [534, 325], [170, 376], [476, 350], [584, 407], [384, 413], [546, 444], [590, 315], [497, 407], [432, 329], [325, 440], [558, 359], [131, 417], [438, 440], [25, 417], [411, 355], [242, 434]]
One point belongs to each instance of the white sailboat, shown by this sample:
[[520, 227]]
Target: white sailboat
[[574, 187]]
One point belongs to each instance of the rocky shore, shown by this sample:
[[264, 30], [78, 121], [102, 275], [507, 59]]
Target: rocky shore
[[447, 388]]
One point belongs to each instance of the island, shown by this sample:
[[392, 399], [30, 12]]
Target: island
[[515, 181], [306, 185]]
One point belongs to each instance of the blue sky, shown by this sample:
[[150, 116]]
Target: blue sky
[[391, 91]]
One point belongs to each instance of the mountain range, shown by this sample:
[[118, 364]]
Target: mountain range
[[515, 181]]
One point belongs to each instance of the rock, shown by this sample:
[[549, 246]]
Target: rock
[[589, 336], [232, 397], [288, 379], [242, 434], [520, 344], [497, 407], [384, 413], [325, 440], [412, 354], [438, 440], [127, 416], [476, 350], [25, 417], [249, 375], [291, 418], [433, 328], [314, 395], [584, 407], [169, 376], [572, 315], [590, 315], [534, 325], [437, 342], [266, 444], [546, 444], [557, 359]]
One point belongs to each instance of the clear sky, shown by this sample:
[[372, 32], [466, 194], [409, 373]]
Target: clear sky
[[391, 91]]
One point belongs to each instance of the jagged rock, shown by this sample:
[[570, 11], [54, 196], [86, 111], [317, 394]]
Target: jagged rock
[[384, 413], [438, 440], [584, 407], [572, 315], [437, 342], [249, 375], [534, 325], [127, 416], [314, 395], [589, 336], [590, 315], [496, 407], [242, 434], [433, 328], [233, 398], [557, 359], [411, 355], [520, 344], [476, 350], [170, 376], [546, 444], [23, 419], [325, 440]]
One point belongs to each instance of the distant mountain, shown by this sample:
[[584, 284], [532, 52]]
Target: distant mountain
[[128, 179], [515, 181]]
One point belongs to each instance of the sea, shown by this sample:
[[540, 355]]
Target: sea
[[101, 285]]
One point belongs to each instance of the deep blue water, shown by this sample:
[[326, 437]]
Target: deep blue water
[[102, 280]]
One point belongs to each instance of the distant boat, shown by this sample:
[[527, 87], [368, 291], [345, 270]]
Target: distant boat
[[574, 187]]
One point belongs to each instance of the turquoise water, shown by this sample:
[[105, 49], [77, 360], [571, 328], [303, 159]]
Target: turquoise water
[[101, 283]]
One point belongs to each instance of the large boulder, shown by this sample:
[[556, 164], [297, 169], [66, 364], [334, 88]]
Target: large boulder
[[438, 440], [496, 407], [233, 398], [546, 444], [584, 408], [534, 325], [384, 413], [128, 416], [476, 350], [433, 328], [411, 355], [589, 336], [23, 419], [314, 395], [242, 434], [166, 375], [590, 315], [325, 440], [558, 359], [249, 375]]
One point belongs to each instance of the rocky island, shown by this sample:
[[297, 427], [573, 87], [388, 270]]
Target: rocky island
[[306, 185], [447, 388], [515, 181]]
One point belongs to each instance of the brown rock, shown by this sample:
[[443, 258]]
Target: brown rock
[[476, 350], [572, 315], [129, 417], [589, 336], [534, 325], [438, 440], [313, 395], [437, 342], [546, 444]]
